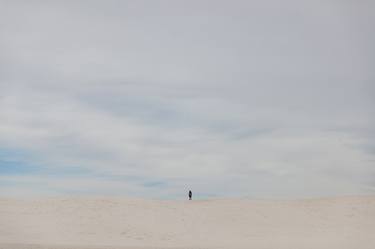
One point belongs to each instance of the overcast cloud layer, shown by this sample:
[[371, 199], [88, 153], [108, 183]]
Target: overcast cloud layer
[[152, 98]]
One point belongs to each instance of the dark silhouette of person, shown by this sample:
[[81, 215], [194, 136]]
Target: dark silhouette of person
[[190, 194]]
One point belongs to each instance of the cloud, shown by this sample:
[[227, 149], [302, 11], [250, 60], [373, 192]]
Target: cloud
[[233, 99]]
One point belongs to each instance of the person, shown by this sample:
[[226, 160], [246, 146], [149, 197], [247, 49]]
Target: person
[[190, 195]]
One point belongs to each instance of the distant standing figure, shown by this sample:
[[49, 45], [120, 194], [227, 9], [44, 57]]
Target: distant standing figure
[[190, 195]]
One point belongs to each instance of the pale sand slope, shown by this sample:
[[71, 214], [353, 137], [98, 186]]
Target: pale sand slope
[[345, 222]]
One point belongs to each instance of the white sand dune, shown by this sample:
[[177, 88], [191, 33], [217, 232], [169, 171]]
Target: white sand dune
[[345, 222]]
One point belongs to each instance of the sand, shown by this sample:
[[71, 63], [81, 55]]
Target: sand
[[69, 223]]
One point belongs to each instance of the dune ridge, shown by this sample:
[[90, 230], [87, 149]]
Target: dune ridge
[[67, 223]]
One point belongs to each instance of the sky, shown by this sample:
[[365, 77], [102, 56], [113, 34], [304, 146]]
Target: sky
[[257, 99]]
